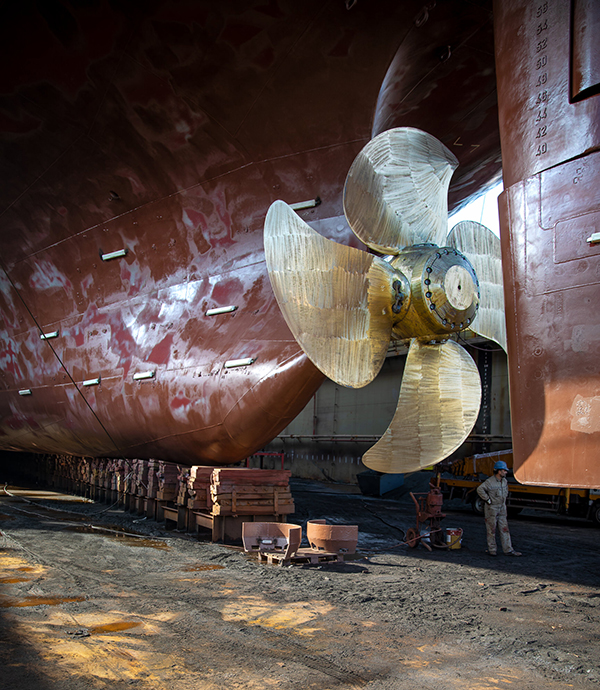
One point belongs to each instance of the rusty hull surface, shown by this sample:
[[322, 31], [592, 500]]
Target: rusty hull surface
[[549, 112], [166, 130]]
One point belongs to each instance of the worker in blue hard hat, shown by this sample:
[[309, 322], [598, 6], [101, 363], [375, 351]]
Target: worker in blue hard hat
[[494, 491]]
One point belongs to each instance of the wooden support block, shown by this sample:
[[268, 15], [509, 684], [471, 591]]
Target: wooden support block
[[182, 518], [253, 509], [204, 520], [160, 510], [151, 508], [139, 504]]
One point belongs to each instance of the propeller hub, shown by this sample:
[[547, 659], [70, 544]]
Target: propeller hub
[[444, 291], [461, 288]]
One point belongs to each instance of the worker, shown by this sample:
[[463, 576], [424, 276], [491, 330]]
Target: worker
[[494, 491]]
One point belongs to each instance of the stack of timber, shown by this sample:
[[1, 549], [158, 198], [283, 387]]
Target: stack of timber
[[62, 471], [93, 477], [140, 477], [182, 486], [128, 482], [147, 488], [107, 475], [74, 476], [51, 469], [218, 499], [198, 488], [84, 470], [97, 476], [101, 476], [119, 471], [152, 489], [166, 475], [43, 472], [244, 491], [114, 478]]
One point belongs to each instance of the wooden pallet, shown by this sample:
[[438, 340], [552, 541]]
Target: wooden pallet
[[253, 508], [312, 556]]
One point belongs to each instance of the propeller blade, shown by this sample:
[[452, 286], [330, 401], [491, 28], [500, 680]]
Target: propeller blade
[[396, 192], [335, 299], [482, 249], [438, 406]]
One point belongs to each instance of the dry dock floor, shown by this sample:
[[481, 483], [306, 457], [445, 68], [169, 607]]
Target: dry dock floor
[[85, 606]]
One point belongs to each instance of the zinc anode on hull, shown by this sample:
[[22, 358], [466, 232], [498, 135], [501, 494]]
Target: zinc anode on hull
[[166, 132]]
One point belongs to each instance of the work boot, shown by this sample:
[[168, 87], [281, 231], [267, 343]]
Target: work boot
[[492, 553]]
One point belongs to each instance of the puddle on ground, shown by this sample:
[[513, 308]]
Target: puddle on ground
[[201, 567], [12, 580], [43, 495], [119, 534], [19, 602], [44, 512], [114, 627]]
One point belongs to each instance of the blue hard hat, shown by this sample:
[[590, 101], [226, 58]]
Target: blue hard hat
[[500, 465]]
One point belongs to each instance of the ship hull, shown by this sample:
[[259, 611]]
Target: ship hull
[[141, 149]]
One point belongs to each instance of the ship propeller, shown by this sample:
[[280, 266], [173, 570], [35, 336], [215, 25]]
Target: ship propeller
[[344, 305]]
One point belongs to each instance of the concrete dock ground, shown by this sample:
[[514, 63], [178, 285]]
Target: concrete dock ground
[[94, 597]]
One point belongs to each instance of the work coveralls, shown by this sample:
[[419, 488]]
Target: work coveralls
[[495, 490]]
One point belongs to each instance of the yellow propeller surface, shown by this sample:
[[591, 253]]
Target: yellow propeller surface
[[344, 305]]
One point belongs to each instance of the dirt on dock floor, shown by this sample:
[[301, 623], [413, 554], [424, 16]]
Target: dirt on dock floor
[[92, 597]]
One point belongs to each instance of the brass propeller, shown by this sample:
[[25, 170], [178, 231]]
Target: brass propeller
[[335, 299], [396, 191], [438, 406], [344, 305], [482, 249]]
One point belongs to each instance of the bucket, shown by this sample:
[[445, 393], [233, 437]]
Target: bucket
[[453, 537]]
